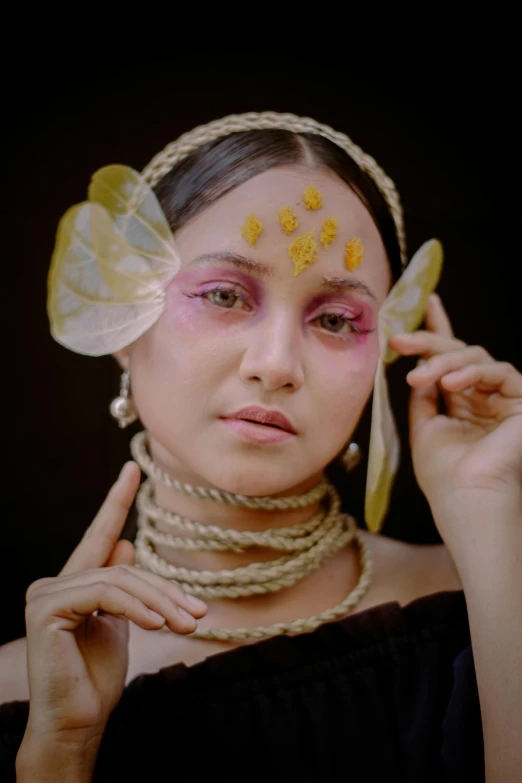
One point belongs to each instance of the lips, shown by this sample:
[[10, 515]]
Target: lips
[[262, 416]]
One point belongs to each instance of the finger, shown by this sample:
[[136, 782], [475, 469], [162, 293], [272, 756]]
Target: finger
[[195, 606], [173, 591], [424, 406], [158, 593], [425, 343], [123, 576], [67, 610], [499, 377], [434, 368], [108, 597], [437, 319], [122, 554], [96, 546]]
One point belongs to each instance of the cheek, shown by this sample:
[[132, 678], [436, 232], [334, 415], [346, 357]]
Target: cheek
[[346, 376], [180, 313], [162, 381], [181, 344], [185, 339], [346, 361]]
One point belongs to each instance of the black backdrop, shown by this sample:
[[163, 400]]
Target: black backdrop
[[439, 118]]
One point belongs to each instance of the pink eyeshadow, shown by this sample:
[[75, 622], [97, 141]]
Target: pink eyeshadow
[[197, 280], [204, 277], [356, 306]]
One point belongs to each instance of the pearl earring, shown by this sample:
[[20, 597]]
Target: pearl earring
[[351, 456], [122, 408]]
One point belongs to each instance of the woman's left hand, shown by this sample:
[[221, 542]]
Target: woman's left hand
[[475, 446]]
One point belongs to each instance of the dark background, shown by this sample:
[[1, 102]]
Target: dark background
[[439, 117]]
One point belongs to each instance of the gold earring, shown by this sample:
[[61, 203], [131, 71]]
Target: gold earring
[[122, 408], [351, 456]]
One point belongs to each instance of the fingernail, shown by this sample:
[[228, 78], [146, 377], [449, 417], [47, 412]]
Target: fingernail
[[195, 602], [188, 617], [124, 472]]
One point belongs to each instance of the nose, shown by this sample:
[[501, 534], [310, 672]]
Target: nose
[[273, 355]]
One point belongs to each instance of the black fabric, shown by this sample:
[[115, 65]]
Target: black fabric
[[388, 694]]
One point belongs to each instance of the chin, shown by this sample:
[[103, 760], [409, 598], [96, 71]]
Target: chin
[[255, 480]]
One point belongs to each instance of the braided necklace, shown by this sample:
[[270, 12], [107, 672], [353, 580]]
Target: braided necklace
[[306, 546]]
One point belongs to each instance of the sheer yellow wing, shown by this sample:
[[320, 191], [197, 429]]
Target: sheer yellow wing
[[88, 314], [406, 303], [403, 311], [140, 221], [113, 259]]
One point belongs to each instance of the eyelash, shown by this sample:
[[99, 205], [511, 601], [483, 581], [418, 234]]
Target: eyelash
[[236, 292]]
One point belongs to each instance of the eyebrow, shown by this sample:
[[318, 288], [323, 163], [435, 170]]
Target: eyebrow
[[264, 270]]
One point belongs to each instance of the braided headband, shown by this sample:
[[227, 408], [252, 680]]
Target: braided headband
[[162, 163], [115, 256]]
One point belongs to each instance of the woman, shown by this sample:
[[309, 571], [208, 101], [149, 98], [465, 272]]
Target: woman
[[249, 353]]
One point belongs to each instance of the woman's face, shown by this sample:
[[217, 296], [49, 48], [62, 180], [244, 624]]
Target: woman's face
[[266, 338]]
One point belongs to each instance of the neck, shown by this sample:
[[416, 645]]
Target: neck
[[309, 560], [222, 515]]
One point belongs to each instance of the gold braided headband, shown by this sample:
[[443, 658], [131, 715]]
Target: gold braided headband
[[165, 160]]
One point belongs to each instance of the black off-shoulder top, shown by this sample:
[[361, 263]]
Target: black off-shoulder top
[[386, 695]]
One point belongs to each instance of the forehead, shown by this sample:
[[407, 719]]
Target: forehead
[[218, 228]]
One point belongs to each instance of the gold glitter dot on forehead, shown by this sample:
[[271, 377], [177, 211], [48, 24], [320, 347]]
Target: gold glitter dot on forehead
[[251, 229], [328, 231], [288, 219], [312, 197], [304, 251], [354, 254]]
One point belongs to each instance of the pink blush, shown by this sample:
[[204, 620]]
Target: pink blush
[[192, 314], [361, 340], [179, 312], [361, 348]]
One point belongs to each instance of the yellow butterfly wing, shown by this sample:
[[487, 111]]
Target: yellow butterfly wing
[[86, 313], [406, 303], [141, 222], [113, 259], [402, 312]]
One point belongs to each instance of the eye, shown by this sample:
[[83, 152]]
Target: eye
[[335, 323], [225, 298], [332, 322], [222, 297]]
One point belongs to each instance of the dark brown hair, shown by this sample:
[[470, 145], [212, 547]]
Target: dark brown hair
[[219, 166]]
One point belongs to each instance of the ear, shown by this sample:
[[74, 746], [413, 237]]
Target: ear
[[122, 357]]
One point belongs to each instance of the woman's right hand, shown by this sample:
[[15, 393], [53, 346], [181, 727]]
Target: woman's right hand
[[77, 660]]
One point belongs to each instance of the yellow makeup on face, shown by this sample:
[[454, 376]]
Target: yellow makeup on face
[[288, 219], [312, 197], [354, 254], [328, 231], [304, 251], [251, 229]]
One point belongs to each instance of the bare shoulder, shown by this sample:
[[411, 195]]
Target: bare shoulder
[[411, 570], [14, 684]]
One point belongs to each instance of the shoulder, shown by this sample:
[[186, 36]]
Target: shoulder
[[410, 571], [14, 683]]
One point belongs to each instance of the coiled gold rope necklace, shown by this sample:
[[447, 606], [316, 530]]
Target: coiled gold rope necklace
[[306, 546]]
